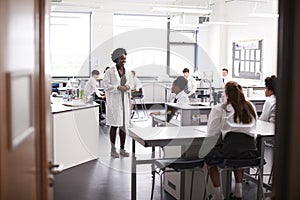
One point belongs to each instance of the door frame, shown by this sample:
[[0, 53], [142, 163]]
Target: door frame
[[44, 88], [287, 166]]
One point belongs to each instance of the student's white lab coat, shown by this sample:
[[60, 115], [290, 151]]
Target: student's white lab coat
[[182, 98], [269, 110], [192, 85], [136, 84], [91, 87], [221, 121], [114, 112], [224, 80]]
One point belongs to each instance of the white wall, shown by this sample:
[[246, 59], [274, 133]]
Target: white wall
[[216, 40], [258, 28]]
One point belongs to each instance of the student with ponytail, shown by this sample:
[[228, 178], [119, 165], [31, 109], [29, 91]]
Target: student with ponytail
[[233, 121]]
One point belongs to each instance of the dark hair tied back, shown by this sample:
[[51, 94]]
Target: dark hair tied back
[[270, 83], [243, 110]]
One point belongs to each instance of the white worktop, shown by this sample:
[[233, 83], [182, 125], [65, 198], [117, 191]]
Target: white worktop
[[191, 106], [147, 136], [61, 106], [256, 98]]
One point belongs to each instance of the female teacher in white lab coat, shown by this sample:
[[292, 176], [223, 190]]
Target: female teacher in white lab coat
[[117, 85]]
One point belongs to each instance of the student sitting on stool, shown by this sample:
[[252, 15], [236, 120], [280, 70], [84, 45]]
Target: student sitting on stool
[[178, 88], [233, 121], [91, 89], [269, 109]]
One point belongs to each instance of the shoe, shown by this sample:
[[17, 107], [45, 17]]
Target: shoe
[[213, 197], [124, 153], [235, 198], [231, 197], [269, 144], [114, 154]]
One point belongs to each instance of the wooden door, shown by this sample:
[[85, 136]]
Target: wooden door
[[24, 108], [287, 162]]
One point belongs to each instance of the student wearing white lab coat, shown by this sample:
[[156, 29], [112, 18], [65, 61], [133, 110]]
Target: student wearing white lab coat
[[91, 85], [269, 109], [233, 121], [225, 77], [178, 89], [136, 82], [191, 85], [116, 84]]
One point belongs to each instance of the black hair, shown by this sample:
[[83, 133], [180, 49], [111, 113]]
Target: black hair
[[270, 83], [106, 69], [181, 82], [95, 72], [186, 70], [224, 69], [117, 53]]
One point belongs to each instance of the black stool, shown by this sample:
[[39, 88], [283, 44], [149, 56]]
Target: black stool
[[138, 96], [178, 166], [231, 164], [101, 109]]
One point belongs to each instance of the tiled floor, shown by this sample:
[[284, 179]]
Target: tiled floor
[[109, 179]]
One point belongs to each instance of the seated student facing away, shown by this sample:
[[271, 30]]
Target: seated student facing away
[[91, 86], [269, 108], [178, 89], [233, 121], [136, 82]]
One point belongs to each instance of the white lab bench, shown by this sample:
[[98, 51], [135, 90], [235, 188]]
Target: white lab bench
[[191, 114], [194, 142], [181, 115], [75, 133]]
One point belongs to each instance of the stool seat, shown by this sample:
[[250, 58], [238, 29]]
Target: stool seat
[[180, 164], [138, 97], [239, 163]]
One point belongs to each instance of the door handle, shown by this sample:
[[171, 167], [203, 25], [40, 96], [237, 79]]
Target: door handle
[[51, 180], [55, 168]]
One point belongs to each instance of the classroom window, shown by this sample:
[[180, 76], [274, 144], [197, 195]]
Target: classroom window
[[152, 59], [70, 44]]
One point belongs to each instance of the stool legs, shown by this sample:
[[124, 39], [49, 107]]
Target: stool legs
[[192, 181], [261, 183], [161, 186], [260, 180], [143, 107], [271, 175]]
